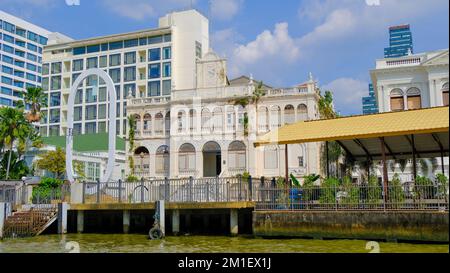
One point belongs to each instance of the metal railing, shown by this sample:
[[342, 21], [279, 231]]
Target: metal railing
[[174, 190], [353, 197]]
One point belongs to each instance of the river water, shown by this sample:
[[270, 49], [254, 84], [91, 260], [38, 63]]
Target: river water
[[96, 243]]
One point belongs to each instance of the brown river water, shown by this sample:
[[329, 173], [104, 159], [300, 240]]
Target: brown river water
[[100, 243]]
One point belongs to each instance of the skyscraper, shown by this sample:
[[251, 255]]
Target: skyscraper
[[370, 105], [400, 42]]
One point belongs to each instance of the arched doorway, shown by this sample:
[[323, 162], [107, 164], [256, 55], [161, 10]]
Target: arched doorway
[[212, 159]]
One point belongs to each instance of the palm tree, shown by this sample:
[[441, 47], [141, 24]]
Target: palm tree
[[36, 98], [15, 130]]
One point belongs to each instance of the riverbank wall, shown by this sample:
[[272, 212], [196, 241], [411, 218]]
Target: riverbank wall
[[366, 225]]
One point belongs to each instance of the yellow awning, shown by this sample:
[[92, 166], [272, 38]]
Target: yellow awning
[[431, 126]]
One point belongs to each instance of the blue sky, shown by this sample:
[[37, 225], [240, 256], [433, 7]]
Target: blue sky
[[279, 42]]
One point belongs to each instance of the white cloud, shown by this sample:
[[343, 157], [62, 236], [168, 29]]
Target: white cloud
[[347, 94], [269, 44], [225, 9]]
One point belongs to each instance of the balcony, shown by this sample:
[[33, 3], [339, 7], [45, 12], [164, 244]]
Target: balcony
[[147, 101]]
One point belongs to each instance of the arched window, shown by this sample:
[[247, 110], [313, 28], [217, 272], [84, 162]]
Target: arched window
[[414, 99], [289, 114], [181, 122], [271, 157], [397, 100], [137, 124], [302, 110], [217, 120], [192, 120], [147, 124], [167, 123], [241, 117], [159, 124], [141, 159], [231, 119], [237, 153], [263, 119], [186, 158], [275, 117], [206, 120], [162, 158], [445, 94]]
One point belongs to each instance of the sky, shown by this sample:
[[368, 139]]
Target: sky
[[277, 41]]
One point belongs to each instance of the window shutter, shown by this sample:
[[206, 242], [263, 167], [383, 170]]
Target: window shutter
[[414, 102], [445, 98], [397, 104]]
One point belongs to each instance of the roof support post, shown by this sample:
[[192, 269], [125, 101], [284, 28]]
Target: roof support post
[[286, 164], [385, 171], [413, 144], [328, 159]]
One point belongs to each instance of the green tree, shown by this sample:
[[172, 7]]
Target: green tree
[[351, 192], [18, 168], [36, 98], [442, 184], [328, 191], [396, 193], [374, 191], [131, 136], [54, 162], [15, 130]]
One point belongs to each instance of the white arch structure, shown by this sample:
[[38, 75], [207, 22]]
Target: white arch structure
[[112, 122]]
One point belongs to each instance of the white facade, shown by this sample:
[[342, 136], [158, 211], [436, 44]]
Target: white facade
[[413, 82], [147, 64], [202, 132]]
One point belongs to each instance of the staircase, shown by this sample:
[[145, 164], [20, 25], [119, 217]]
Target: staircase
[[29, 223]]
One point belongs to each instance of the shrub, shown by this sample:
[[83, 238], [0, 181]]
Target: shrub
[[396, 193], [132, 178], [374, 191], [423, 187], [47, 190], [442, 183], [351, 191], [328, 192]]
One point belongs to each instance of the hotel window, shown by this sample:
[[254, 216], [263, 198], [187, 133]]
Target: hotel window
[[31, 77], [78, 113], [7, 80], [105, 47], [45, 69], [155, 40], [31, 67], [445, 94], [118, 110], [114, 60], [143, 41], [154, 71], [198, 49], [414, 99], [92, 80], [167, 53], [116, 45], [93, 49], [92, 63], [55, 99], [8, 49], [44, 117], [168, 38], [154, 89], [91, 95], [56, 68], [115, 75], [20, 43], [7, 59], [167, 70], [90, 128], [56, 83], [45, 84], [32, 47], [77, 129], [30, 56], [130, 58], [102, 94], [102, 127], [397, 100], [54, 116], [74, 78], [91, 112], [103, 61], [79, 97], [33, 36], [117, 87], [43, 130], [102, 111], [129, 74], [154, 54], [7, 70], [54, 130], [166, 87], [131, 43], [21, 32], [129, 87], [8, 38], [9, 27]]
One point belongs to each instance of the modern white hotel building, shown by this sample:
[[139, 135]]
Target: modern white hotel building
[[188, 122], [21, 45]]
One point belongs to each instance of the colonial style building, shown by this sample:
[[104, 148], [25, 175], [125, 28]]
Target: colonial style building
[[413, 82], [209, 130]]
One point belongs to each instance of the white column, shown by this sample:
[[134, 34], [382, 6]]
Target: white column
[[62, 218], [176, 222], [80, 221], [126, 221], [234, 224], [2, 218]]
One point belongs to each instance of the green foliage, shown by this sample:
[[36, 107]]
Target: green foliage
[[351, 191], [308, 186], [79, 167], [54, 162], [328, 191], [281, 182], [18, 168], [48, 189], [396, 193], [245, 124], [423, 187], [442, 183], [132, 178], [295, 181], [37, 98], [245, 176], [309, 180], [374, 191], [131, 136]]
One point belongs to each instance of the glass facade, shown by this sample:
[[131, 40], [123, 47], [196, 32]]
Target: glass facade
[[370, 105], [20, 61], [400, 42]]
